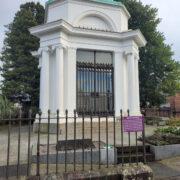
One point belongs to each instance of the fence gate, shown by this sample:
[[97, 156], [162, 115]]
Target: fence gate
[[95, 91]]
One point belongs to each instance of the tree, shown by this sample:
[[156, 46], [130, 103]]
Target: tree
[[159, 73], [20, 69]]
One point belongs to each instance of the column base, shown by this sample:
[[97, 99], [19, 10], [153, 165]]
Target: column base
[[70, 121]]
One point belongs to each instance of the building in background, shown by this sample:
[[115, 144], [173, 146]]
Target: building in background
[[174, 102]]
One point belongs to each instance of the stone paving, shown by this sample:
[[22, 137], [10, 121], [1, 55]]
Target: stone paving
[[168, 169], [43, 139]]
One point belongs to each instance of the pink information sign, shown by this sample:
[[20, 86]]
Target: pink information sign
[[133, 124]]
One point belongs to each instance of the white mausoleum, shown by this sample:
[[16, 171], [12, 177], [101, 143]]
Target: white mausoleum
[[88, 58]]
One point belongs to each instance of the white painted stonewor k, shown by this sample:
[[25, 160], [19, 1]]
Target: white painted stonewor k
[[74, 29]]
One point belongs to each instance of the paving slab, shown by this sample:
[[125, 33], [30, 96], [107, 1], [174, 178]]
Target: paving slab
[[168, 169]]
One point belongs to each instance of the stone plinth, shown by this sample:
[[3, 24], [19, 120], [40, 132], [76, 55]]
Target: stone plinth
[[112, 155]]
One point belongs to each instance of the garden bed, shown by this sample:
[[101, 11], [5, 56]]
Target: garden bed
[[165, 143], [165, 136]]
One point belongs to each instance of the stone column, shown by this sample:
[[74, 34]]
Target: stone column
[[59, 80], [136, 61], [131, 83], [44, 81], [71, 80], [118, 82]]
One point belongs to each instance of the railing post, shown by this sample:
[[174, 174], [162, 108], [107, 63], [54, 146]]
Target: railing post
[[57, 139], [19, 143], [91, 140], [122, 138], [47, 170], [107, 152], [144, 145], [99, 137], [83, 141], [137, 159], [66, 140], [38, 146], [74, 140], [129, 140], [114, 137], [8, 147], [29, 141]]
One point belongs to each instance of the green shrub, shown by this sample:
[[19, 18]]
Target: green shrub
[[6, 107], [169, 130], [174, 122]]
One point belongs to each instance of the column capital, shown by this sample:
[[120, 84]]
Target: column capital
[[72, 48], [118, 52], [128, 52], [58, 46], [54, 47], [136, 57], [41, 50], [45, 49]]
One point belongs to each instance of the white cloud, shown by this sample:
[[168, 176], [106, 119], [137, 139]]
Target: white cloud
[[169, 13]]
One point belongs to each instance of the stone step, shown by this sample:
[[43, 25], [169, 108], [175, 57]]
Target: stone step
[[149, 155], [149, 158], [126, 149]]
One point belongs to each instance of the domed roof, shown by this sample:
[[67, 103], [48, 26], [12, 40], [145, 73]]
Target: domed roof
[[109, 2], [100, 1]]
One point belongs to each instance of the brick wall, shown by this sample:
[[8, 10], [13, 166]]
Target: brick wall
[[174, 102]]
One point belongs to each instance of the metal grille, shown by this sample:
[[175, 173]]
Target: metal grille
[[95, 84]]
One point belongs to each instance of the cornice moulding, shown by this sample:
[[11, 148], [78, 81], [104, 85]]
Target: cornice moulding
[[63, 26]]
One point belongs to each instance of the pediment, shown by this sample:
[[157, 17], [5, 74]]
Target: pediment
[[95, 20]]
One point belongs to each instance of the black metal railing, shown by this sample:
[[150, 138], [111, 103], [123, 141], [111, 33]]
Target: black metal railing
[[160, 112], [61, 144]]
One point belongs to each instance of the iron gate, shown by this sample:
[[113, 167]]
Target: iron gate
[[95, 87]]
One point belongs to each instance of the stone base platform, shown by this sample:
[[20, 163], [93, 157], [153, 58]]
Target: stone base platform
[[112, 155], [70, 125]]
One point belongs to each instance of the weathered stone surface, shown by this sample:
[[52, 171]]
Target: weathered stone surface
[[77, 144], [127, 172], [139, 171]]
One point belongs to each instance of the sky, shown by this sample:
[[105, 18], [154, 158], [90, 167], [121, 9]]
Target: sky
[[168, 11]]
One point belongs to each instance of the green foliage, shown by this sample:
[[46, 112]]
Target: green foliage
[[174, 122], [5, 107], [20, 68], [159, 73], [169, 130]]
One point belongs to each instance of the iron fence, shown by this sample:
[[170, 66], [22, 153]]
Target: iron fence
[[69, 143]]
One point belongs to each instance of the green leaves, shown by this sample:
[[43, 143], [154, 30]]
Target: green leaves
[[159, 73], [169, 130], [20, 68]]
